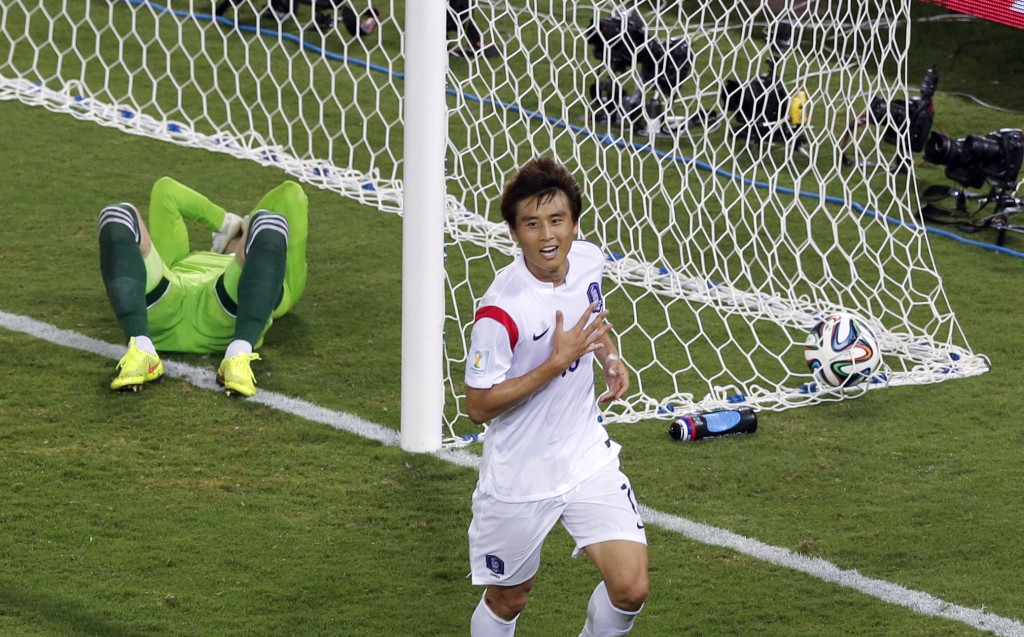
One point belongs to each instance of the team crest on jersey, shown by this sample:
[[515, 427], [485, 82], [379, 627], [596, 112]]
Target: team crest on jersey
[[478, 361], [594, 296], [495, 564]]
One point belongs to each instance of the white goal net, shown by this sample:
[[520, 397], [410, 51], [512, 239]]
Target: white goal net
[[712, 140]]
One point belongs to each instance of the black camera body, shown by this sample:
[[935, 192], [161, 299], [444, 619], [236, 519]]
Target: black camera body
[[666, 64], [917, 114], [975, 159], [763, 108], [762, 100], [621, 42]]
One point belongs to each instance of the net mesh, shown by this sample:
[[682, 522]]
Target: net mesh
[[708, 137]]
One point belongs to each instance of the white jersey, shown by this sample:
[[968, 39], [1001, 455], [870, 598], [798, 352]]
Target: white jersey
[[553, 441]]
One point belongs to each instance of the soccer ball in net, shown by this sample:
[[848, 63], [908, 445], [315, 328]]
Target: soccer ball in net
[[842, 351]]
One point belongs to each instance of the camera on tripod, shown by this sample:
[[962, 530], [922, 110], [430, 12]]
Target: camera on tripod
[[917, 114], [975, 159], [971, 161], [616, 40], [622, 43], [914, 116], [764, 109]]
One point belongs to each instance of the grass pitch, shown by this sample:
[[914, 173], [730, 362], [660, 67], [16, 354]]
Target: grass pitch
[[177, 511]]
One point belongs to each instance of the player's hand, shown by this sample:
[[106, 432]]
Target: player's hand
[[616, 377], [582, 338]]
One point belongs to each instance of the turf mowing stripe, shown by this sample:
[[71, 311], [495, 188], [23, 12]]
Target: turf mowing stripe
[[917, 601]]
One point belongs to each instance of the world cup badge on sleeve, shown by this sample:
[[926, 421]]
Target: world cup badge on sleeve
[[478, 361]]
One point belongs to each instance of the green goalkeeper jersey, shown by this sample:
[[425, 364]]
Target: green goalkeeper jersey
[[192, 295]]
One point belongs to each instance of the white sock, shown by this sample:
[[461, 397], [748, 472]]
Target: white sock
[[486, 624], [603, 619], [145, 344], [238, 346]]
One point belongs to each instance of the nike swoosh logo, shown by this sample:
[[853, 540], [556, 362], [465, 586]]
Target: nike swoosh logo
[[639, 525], [537, 337], [152, 368]]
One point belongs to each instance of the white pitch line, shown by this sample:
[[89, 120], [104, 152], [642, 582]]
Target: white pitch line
[[917, 601]]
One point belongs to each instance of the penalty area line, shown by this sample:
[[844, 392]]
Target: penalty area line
[[917, 601]]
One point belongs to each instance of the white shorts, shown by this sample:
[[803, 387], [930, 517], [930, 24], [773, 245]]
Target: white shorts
[[505, 538]]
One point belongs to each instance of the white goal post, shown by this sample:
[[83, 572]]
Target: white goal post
[[425, 111], [708, 137]]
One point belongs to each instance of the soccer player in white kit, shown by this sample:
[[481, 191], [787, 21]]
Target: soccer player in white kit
[[546, 457]]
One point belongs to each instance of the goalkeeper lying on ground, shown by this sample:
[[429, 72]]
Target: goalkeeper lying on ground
[[168, 298]]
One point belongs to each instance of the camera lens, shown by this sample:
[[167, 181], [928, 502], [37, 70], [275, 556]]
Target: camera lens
[[610, 28], [878, 110], [732, 95], [943, 150], [983, 150]]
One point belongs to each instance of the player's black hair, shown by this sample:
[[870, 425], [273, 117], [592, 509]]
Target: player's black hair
[[542, 178]]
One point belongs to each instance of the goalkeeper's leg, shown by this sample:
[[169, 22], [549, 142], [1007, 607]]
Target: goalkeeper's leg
[[124, 249], [257, 292], [289, 201]]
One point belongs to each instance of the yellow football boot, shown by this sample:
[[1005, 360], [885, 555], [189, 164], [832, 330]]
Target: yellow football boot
[[136, 369], [235, 374]]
